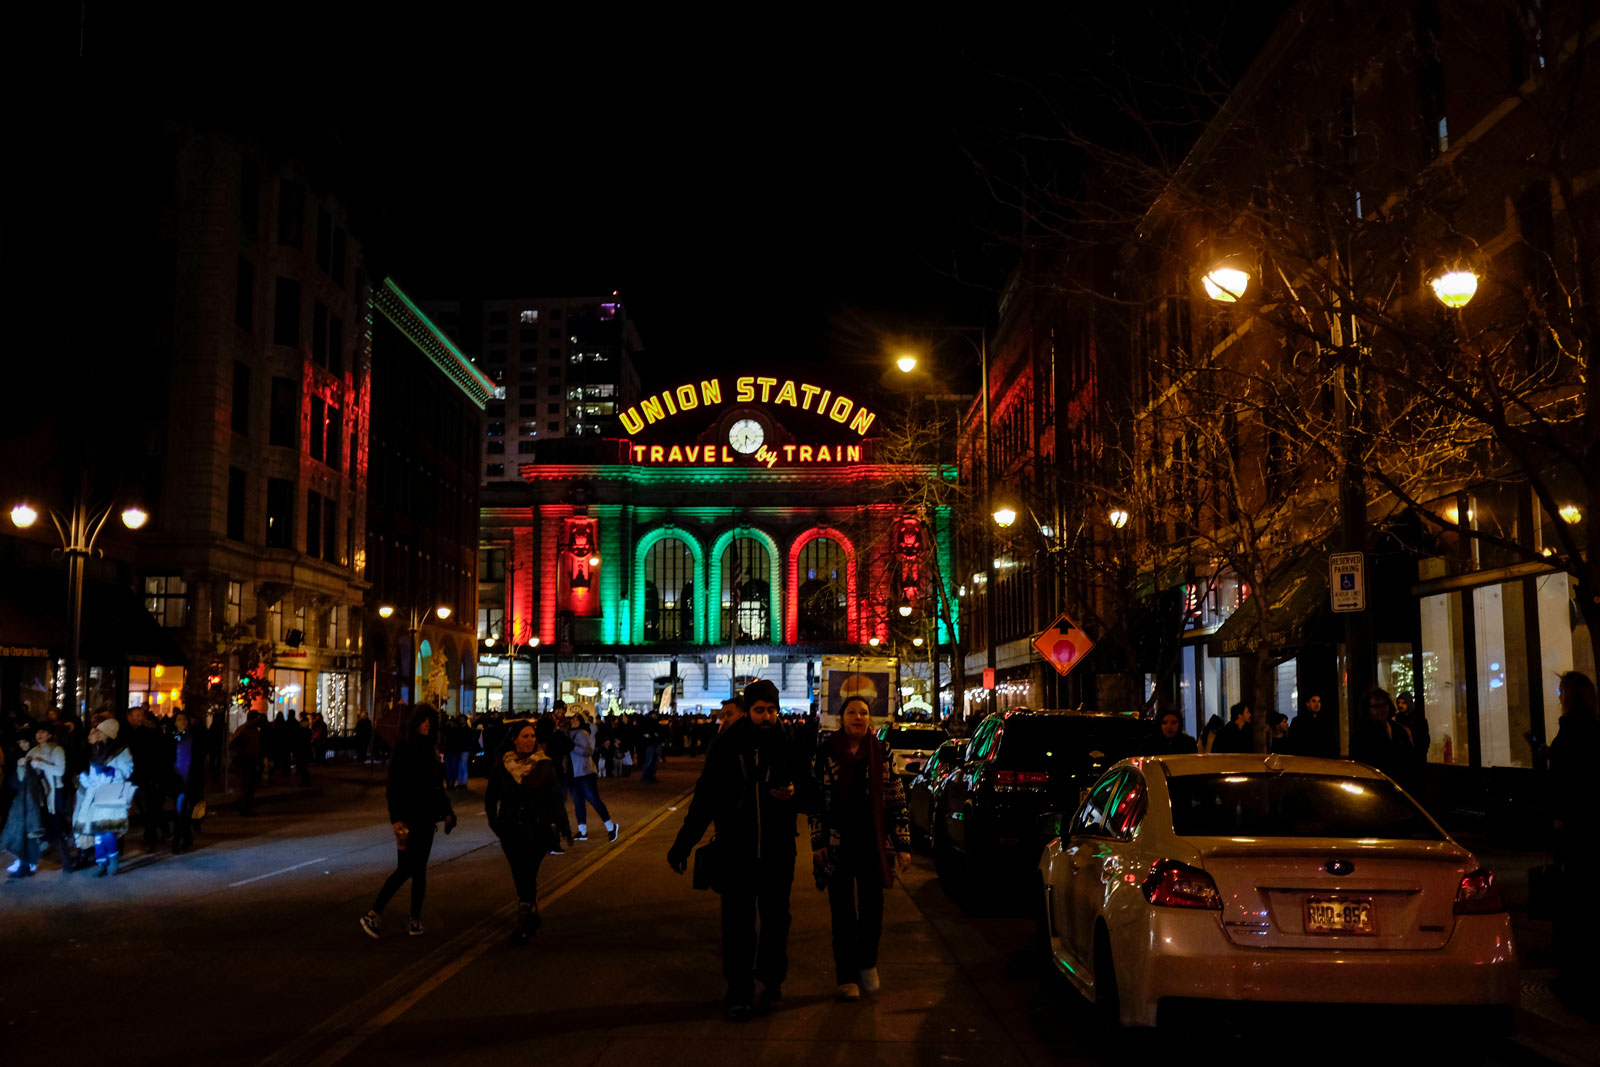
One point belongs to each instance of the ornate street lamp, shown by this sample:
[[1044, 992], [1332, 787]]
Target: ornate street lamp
[[1454, 287]]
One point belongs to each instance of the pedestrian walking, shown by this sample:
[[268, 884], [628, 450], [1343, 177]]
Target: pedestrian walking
[[1314, 732], [1168, 738], [105, 792], [417, 802], [1383, 743], [363, 737], [457, 743], [1407, 714], [778, 780], [586, 779], [1236, 736], [152, 767], [744, 771], [649, 740], [244, 750], [528, 813], [188, 780], [860, 835], [39, 814], [1571, 758]]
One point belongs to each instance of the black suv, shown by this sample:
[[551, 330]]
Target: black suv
[[1019, 765]]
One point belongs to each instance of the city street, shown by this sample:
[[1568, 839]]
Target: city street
[[247, 951]]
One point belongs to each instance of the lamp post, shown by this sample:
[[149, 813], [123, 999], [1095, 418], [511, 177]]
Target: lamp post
[[1227, 282], [78, 533], [418, 621], [907, 363]]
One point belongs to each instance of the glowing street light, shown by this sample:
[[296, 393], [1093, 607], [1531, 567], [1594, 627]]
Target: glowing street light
[[1455, 288], [905, 611], [133, 516], [1004, 516], [906, 363], [1118, 517], [917, 641], [23, 516], [385, 611], [1226, 282]]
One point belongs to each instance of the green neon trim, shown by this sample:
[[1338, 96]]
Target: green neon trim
[[774, 580], [410, 320], [642, 548], [609, 517], [941, 537]]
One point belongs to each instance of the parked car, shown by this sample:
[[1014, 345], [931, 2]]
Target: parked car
[[911, 743], [1186, 883], [919, 791], [1019, 765]]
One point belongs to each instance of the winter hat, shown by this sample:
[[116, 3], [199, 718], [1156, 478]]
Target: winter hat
[[109, 728], [760, 690]]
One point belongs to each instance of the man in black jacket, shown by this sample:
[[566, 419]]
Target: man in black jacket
[[1237, 735], [746, 788]]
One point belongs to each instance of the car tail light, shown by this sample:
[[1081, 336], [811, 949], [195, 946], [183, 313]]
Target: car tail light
[[1171, 884], [1021, 779], [1478, 895]]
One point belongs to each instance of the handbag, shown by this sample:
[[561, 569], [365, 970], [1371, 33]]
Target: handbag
[[707, 866], [1544, 891]]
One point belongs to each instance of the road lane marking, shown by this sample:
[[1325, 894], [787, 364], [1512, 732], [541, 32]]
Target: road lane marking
[[273, 874], [401, 985]]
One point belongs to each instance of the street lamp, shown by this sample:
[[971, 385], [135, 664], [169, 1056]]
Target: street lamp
[[905, 611], [78, 533], [906, 363], [440, 611], [1455, 287], [1004, 517], [1118, 517]]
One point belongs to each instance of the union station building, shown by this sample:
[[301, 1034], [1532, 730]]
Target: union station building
[[743, 530]]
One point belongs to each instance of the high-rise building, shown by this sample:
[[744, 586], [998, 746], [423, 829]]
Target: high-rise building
[[562, 367]]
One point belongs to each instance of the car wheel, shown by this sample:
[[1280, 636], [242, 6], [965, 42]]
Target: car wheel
[[1107, 1001]]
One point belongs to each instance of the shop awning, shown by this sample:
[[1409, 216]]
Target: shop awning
[[1290, 602], [34, 614]]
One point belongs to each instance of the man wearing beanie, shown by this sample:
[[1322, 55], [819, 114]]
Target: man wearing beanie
[[746, 789]]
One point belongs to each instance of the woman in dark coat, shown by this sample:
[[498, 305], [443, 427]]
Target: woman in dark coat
[[189, 779], [1168, 738], [859, 835], [527, 811], [1383, 743], [417, 801]]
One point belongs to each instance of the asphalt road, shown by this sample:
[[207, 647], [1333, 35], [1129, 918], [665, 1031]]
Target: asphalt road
[[247, 951]]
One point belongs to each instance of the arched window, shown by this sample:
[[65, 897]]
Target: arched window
[[746, 590], [669, 591], [822, 586]]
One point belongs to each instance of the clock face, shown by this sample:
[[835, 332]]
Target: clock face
[[746, 435]]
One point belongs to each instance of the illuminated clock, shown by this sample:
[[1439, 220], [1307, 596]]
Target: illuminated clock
[[746, 435]]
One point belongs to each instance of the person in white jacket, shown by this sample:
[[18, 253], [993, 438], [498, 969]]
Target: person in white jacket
[[104, 794], [586, 778]]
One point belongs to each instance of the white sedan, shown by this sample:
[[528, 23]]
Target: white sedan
[[1184, 881]]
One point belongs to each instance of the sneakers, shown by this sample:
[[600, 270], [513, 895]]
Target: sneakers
[[736, 1013], [612, 831], [371, 924], [558, 850], [849, 991], [869, 980], [582, 834], [414, 928]]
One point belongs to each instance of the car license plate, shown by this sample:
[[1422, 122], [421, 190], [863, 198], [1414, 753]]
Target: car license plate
[[1339, 915]]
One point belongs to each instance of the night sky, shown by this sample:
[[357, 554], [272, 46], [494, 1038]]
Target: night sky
[[764, 190]]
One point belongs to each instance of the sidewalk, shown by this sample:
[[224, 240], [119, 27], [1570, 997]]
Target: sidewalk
[[1544, 1026]]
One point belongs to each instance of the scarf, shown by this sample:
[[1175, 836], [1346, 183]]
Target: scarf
[[852, 765], [519, 766]]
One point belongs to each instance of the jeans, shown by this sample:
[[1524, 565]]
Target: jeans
[[649, 760], [411, 862], [855, 897], [461, 767], [587, 787], [525, 858]]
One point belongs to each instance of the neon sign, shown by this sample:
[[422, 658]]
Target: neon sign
[[799, 395]]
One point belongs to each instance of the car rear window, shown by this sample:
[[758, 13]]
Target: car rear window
[[928, 737], [1294, 805], [1066, 742]]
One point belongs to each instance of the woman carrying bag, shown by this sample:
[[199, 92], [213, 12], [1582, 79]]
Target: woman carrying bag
[[528, 813], [860, 835], [417, 801]]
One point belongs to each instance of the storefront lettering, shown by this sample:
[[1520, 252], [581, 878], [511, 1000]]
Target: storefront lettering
[[800, 395], [750, 662]]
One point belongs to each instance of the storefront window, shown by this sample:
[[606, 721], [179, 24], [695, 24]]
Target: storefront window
[[1503, 713], [157, 688], [1443, 687], [288, 694], [1564, 643], [333, 701], [1186, 687]]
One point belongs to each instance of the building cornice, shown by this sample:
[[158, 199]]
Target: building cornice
[[794, 477], [431, 342]]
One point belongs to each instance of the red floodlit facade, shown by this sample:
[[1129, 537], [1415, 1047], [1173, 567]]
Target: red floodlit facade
[[730, 538]]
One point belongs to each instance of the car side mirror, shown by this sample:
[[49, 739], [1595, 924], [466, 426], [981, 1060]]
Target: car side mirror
[[1050, 825]]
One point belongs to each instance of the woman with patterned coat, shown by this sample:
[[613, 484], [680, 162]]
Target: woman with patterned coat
[[860, 835]]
